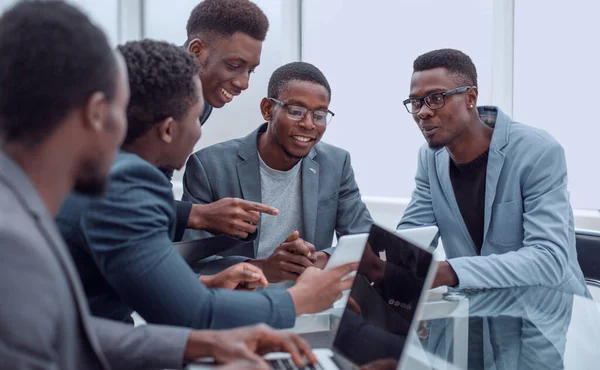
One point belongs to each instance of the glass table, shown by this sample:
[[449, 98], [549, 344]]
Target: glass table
[[517, 328]]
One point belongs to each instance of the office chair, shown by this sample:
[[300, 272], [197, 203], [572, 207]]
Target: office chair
[[588, 255]]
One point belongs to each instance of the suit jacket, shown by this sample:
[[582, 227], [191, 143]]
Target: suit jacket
[[529, 236], [44, 318], [331, 200], [183, 209], [123, 250]]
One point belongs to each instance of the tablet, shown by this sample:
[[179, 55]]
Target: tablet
[[349, 249]]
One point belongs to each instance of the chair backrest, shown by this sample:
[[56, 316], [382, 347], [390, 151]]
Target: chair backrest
[[588, 253]]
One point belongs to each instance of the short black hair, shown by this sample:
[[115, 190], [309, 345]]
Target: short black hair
[[52, 59], [161, 83], [226, 17], [295, 71], [457, 63]]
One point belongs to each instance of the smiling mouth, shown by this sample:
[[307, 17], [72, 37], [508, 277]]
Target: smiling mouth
[[302, 139], [226, 93]]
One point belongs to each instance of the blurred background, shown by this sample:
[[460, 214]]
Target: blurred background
[[534, 58]]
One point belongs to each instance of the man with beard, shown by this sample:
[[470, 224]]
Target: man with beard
[[496, 189], [63, 97]]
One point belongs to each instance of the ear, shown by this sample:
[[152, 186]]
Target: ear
[[166, 129], [472, 97], [199, 49], [266, 109], [96, 111]]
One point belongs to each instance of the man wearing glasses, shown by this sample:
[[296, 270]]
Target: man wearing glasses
[[497, 189], [283, 164]]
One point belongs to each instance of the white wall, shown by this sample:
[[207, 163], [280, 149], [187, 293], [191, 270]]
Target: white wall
[[556, 84], [366, 52], [104, 13]]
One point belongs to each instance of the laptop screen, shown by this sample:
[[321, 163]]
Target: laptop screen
[[383, 301]]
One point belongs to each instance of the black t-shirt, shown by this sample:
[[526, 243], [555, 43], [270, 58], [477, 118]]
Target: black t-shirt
[[468, 182]]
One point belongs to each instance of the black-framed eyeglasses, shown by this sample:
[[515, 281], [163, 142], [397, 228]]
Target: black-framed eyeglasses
[[434, 100], [297, 113]]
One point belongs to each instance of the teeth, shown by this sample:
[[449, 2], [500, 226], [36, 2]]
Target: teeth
[[227, 95], [302, 138]]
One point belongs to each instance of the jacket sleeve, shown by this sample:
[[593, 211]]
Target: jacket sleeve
[[143, 347], [542, 260], [128, 236], [197, 189], [419, 211], [352, 214], [182, 210], [29, 310]]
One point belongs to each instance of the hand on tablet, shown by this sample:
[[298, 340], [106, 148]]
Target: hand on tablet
[[316, 289]]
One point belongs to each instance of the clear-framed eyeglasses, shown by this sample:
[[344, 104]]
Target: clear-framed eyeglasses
[[297, 113]]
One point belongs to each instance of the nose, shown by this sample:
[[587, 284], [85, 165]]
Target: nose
[[425, 112], [307, 122], [241, 82]]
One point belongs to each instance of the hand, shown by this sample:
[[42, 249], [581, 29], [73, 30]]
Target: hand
[[316, 290], [322, 259], [247, 343], [445, 275], [289, 260], [242, 276], [230, 216]]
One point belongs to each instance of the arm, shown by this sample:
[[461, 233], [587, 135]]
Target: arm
[[143, 347], [182, 210], [543, 258], [419, 211], [128, 236], [30, 312]]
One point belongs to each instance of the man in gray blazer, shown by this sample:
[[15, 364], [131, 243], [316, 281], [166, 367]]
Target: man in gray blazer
[[283, 164], [64, 68]]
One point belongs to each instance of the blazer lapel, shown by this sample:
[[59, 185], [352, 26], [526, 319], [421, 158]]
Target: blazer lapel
[[495, 162], [248, 171], [442, 161], [310, 195]]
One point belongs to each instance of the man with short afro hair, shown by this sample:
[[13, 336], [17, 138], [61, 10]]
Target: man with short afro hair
[[226, 38], [284, 164]]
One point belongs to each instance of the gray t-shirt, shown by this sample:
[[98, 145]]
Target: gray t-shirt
[[282, 190]]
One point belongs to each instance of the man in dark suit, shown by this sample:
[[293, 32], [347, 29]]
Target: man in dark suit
[[122, 242], [63, 94], [284, 164], [226, 38]]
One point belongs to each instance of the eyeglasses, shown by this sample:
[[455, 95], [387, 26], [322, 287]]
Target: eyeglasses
[[434, 100], [297, 113]]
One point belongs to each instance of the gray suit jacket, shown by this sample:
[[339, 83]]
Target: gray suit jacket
[[331, 200], [44, 317]]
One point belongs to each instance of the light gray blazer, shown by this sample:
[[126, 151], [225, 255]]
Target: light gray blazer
[[529, 235], [44, 317], [331, 200]]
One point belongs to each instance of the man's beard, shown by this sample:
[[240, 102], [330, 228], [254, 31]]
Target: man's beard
[[91, 183]]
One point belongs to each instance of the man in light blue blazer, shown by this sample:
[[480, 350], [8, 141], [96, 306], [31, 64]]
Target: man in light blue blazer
[[497, 189], [283, 164]]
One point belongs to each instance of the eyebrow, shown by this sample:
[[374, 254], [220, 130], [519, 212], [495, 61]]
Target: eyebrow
[[431, 91], [297, 102]]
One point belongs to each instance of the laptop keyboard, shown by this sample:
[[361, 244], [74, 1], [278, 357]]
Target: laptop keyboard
[[288, 364]]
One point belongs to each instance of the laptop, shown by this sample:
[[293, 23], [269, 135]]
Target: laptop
[[381, 319]]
